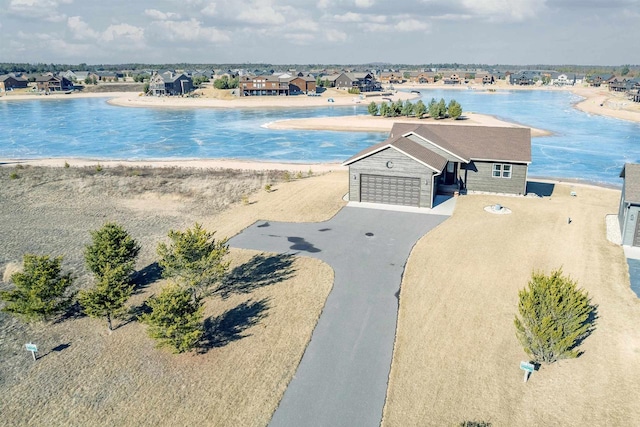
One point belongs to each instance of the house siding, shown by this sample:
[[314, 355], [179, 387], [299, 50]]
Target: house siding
[[478, 177], [403, 166], [629, 228]]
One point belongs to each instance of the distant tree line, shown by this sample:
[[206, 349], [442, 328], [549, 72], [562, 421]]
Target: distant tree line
[[435, 109]]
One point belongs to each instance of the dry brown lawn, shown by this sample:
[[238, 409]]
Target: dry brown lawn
[[456, 355], [257, 326]]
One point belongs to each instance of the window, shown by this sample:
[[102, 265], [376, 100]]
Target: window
[[501, 171]]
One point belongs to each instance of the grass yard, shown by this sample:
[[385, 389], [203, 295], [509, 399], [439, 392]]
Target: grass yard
[[257, 325], [456, 355]]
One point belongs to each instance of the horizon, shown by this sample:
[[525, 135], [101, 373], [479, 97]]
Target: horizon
[[410, 32]]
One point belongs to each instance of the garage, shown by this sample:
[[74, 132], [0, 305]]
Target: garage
[[392, 190]]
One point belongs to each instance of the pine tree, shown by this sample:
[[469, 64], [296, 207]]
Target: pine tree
[[442, 109], [175, 320], [194, 258], [109, 296], [373, 109], [384, 109], [41, 290], [111, 247], [433, 109], [454, 110], [407, 108], [419, 109], [555, 316]]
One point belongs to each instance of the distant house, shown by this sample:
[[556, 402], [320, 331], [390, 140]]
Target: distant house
[[453, 79], [525, 78], [365, 82], [422, 77], [302, 84], [484, 78], [170, 83], [392, 77], [417, 162], [597, 80], [263, 86], [630, 205], [11, 81], [621, 84], [564, 79], [51, 83]]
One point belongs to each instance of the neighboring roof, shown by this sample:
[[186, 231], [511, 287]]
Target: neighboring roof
[[631, 174], [481, 143], [6, 77]]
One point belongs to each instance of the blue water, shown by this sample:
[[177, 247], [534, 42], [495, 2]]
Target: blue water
[[91, 128], [587, 147]]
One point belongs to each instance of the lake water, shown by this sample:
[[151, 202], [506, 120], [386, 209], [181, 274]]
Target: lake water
[[587, 147]]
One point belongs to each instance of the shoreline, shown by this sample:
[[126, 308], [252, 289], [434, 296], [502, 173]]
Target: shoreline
[[367, 123], [247, 165], [596, 101]]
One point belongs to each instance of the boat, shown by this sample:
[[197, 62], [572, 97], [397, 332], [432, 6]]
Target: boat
[[416, 92]]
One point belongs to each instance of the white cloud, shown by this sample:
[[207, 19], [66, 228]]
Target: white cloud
[[80, 29], [161, 16], [123, 31], [209, 10], [374, 27], [364, 3], [191, 31], [260, 12], [335, 36], [409, 25], [504, 10], [348, 17], [39, 9]]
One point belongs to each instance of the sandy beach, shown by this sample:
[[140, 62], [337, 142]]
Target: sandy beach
[[384, 124]]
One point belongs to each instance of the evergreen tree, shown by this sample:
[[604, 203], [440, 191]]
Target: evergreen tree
[[407, 108], [112, 247], [194, 258], [384, 109], [419, 109], [175, 320], [433, 108], [41, 290], [373, 109], [454, 110], [555, 316], [397, 107], [109, 296], [442, 109]]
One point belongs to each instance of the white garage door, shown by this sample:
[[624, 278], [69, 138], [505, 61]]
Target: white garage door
[[391, 190]]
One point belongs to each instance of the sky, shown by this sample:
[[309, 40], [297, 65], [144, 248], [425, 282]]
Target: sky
[[583, 32]]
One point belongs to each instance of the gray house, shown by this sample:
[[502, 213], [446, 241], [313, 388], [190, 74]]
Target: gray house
[[418, 161], [170, 83], [630, 205]]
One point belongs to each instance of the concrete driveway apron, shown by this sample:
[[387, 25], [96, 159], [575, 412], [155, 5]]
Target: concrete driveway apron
[[342, 377]]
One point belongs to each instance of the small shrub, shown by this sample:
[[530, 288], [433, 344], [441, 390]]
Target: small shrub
[[555, 316], [245, 199], [14, 175], [66, 165], [310, 173], [98, 167], [299, 175], [286, 176], [267, 188]]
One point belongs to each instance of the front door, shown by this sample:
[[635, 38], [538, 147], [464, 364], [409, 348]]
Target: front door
[[450, 173]]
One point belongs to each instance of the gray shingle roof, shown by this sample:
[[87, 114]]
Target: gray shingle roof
[[467, 142], [631, 174]]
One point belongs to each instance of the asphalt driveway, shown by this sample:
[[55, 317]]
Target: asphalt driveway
[[342, 378]]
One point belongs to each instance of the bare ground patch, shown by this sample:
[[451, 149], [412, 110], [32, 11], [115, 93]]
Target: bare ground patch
[[257, 325], [456, 355]]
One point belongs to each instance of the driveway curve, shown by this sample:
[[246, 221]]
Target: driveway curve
[[342, 377]]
